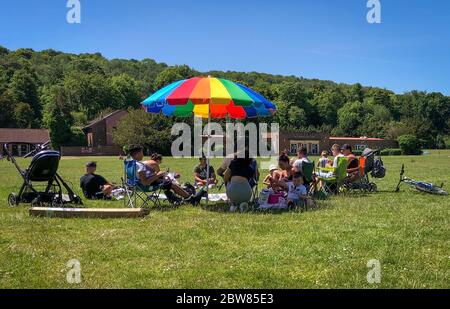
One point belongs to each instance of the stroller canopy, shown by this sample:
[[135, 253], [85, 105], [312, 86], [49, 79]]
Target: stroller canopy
[[44, 166]]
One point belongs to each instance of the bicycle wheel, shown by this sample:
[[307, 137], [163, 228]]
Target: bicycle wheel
[[440, 191], [432, 190]]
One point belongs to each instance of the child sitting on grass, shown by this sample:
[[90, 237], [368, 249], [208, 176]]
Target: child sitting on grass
[[273, 177], [297, 193]]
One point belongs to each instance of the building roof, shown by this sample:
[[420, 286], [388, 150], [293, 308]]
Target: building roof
[[32, 136], [101, 118], [356, 139]]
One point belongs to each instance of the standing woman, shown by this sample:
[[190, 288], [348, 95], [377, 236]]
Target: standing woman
[[238, 177]]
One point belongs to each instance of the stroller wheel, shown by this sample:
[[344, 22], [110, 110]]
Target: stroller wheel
[[36, 203], [13, 201], [77, 200], [57, 202], [373, 188]]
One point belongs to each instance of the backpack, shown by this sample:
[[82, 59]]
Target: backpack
[[379, 171]]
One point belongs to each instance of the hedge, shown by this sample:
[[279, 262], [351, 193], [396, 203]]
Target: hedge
[[391, 152]]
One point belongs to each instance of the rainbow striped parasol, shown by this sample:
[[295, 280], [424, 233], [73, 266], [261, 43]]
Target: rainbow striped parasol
[[209, 97]]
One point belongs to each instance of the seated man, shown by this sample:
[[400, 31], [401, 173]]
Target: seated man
[[353, 162], [302, 157], [201, 172], [325, 173], [95, 186], [150, 175]]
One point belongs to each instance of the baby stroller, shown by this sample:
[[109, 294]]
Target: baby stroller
[[43, 169], [371, 163]]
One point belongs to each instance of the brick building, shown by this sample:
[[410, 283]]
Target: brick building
[[317, 142], [99, 136], [100, 131], [23, 141]]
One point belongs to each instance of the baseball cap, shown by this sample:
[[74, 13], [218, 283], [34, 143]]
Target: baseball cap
[[346, 147], [91, 164]]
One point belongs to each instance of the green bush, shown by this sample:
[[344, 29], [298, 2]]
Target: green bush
[[447, 142], [391, 152], [395, 152], [409, 145]]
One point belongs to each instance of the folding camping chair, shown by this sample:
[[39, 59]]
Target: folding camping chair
[[360, 181], [308, 170], [254, 182], [135, 192], [332, 184]]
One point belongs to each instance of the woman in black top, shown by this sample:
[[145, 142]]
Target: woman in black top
[[238, 180]]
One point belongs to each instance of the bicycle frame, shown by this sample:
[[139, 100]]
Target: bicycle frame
[[420, 185]]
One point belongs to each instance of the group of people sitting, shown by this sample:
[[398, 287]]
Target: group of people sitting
[[240, 175], [148, 173], [289, 174]]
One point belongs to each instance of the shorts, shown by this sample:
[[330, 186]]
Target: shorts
[[163, 184], [239, 192]]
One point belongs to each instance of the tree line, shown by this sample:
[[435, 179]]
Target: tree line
[[63, 92]]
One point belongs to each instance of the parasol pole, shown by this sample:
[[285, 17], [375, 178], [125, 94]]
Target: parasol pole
[[209, 152]]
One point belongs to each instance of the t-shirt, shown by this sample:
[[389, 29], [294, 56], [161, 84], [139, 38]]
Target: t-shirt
[[335, 162], [352, 161], [202, 171], [295, 192], [141, 167], [323, 162], [92, 184], [239, 167], [298, 164]]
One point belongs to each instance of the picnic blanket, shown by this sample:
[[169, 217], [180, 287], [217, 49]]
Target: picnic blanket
[[218, 197]]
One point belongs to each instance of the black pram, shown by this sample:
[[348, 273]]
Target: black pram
[[43, 168]]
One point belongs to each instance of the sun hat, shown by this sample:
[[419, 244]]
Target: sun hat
[[273, 167]]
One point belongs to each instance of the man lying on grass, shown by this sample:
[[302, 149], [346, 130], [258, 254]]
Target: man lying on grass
[[150, 175], [95, 186]]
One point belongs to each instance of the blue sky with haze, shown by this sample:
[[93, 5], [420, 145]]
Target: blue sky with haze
[[321, 39]]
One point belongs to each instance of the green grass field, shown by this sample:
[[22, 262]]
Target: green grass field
[[408, 232]]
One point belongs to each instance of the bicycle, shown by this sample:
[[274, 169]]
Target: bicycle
[[421, 186]]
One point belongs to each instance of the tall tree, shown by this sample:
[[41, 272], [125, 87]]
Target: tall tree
[[57, 117], [173, 74], [7, 110], [125, 92], [24, 115], [24, 88], [151, 131], [89, 93]]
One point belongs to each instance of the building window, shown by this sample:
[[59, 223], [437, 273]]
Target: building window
[[361, 147], [311, 146], [15, 150], [23, 150], [294, 148]]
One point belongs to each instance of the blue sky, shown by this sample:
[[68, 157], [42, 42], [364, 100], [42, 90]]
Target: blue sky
[[325, 39]]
